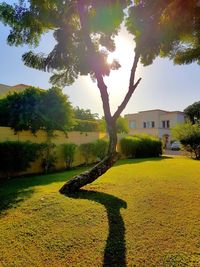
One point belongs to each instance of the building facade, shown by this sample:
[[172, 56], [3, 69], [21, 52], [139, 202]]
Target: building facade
[[154, 122]]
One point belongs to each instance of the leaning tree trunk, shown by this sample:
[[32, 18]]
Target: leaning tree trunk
[[91, 175]]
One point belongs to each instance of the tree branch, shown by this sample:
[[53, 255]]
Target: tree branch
[[83, 15], [132, 86]]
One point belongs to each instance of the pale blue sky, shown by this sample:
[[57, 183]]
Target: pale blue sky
[[163, 85]]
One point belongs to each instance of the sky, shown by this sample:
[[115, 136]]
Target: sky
[[163, 85]]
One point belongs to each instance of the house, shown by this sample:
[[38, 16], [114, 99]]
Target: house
[[154, 122], [6, 89]]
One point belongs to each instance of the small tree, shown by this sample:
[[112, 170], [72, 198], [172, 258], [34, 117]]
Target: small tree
[[189, 136], [69, 151]]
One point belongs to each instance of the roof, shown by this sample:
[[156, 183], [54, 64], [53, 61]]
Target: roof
[[155, 110], [6, 89]]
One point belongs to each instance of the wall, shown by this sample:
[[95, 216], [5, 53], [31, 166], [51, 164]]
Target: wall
[[7, 134]]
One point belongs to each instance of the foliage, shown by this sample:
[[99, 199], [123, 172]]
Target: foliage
[[48, 156], [189, 136], [140, 147], [86, 126], [35, 109], [100, 148], [85, 114], [166, 28], [192, 112], [17, 156], [122, 125], [87, 151], [69, 153]]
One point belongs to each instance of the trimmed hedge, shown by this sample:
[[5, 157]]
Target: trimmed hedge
[[140, 147], [17, 156]]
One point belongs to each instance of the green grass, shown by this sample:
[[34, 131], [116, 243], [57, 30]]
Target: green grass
[[140, 213]]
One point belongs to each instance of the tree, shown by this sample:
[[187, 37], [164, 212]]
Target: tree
[[85, 114], [29, 110], [122, 125], [192, 112], [85, 31], [189, 136]]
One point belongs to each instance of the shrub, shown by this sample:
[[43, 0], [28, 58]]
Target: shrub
[[189, 136], [128, 146], [100, 148], [140, 147], [69, 153], [48, 156], [87, 151], [17, 156]]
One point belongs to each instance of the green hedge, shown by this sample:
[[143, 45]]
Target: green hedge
[[86, 126], [140, 147], [17, 156]]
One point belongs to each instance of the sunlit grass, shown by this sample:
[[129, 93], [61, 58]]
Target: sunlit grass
[[140, 213]]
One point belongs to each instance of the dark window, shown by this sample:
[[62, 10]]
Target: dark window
[[163, 124], [168, 124], [153, 124], [144, 125]]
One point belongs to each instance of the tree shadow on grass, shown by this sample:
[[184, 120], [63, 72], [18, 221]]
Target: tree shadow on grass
[[115, 249], [12, 200], [16, 190]]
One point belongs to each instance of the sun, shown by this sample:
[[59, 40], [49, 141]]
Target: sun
[[110, 59]]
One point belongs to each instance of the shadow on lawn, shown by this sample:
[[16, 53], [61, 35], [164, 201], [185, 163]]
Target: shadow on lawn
[[16, 190], [115, 249]]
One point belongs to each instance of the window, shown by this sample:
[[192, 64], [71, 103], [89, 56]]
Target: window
[[148, 124], [163, 124], [132, 124], [166, 124]]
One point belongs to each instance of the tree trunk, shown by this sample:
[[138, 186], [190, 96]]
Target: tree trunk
[[88, 177]]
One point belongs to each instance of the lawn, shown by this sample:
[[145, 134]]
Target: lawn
[[140, 213]]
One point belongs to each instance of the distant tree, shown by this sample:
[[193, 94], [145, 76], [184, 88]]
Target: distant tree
[[85, 114], [29, 110], [84, 31], [122, 125], [189, 136], [192, 112]]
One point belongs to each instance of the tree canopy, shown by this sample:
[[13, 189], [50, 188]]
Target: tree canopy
[[192, 112], [29, 110]]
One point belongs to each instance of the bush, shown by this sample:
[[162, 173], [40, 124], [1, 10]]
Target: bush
[[100, 149], [48, 156], [140, 147], [189, 136], [87, 151], [69, 153], [128, 146], [17, 156]]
